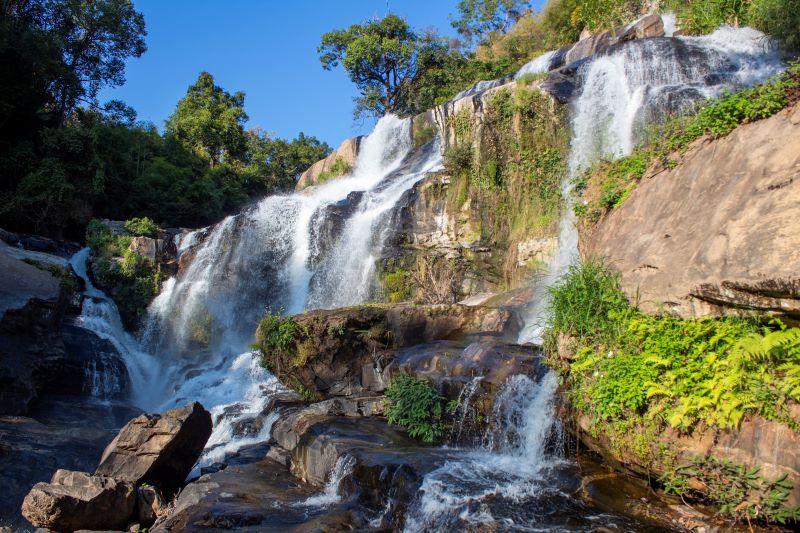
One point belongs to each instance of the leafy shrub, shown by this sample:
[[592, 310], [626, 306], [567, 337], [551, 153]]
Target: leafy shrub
[[679, 371], [415, 405], [277, 332], [142, 227]]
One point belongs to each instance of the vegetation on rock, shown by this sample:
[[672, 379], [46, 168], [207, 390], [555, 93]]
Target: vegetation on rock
[[615, 180], [415, 405], [634, 374], [338, 168], [130, 279]]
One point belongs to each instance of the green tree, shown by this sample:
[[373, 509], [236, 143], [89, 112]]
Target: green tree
[[210, 121], [384, 58], [275, 164], [479, 19]]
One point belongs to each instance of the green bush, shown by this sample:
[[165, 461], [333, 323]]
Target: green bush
[[397, 285], [277, 332], [415, 405], [142, 227]]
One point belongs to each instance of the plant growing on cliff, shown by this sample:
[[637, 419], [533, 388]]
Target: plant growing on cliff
[[144, 227], [338, 168], [415, 405]]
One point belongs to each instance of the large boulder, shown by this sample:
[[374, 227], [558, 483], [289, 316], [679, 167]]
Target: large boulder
[[159, 449], [76, 500]]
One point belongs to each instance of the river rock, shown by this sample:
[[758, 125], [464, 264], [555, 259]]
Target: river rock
[[76, 500], [159, 449]]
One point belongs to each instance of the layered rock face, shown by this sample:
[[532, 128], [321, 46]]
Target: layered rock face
[[717, 234]]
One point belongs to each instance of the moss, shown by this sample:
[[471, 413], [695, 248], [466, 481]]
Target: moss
[[397, 285]]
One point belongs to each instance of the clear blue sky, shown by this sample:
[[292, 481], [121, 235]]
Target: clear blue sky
[[266, 48]]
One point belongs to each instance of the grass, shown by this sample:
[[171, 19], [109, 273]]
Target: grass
[[338, 168]]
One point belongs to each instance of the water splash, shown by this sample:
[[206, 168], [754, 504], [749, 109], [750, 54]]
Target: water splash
[[465, 415], [510, 467], [331, 494]]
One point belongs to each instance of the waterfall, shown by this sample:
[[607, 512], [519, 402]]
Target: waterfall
[[99, 315], [510, 467], [330, 494], [634, 85]]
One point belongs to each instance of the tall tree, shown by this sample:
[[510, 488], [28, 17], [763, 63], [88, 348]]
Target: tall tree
[[382, 57], [479, 19], [210, 121]]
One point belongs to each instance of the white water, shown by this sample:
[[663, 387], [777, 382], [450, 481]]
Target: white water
[[621, 93], [511, 465], [537, 65], [331, 494]]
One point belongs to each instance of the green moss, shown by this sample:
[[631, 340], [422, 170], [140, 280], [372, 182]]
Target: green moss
[[398, 285]]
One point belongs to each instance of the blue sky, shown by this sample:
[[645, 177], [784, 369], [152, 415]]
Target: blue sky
[[266, 48]]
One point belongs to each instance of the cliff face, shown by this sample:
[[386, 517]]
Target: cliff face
[[343, 157], [718, 233]]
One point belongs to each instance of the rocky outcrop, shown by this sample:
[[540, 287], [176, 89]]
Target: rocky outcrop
[[75, 500], [151, 454], [347, 153], [158, 449], [330, 358], [648, 26], [716, 234]]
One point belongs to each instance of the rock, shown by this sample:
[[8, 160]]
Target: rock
[[159, 449], [147, 247], [149, 505], [76, 500], [647, 26], [717, 233], [340, 343], [347, 152]]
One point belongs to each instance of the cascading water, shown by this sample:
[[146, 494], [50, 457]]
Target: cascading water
[[636, 84], [508, 469]]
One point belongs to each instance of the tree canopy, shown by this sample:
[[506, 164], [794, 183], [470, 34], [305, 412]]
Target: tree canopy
[[210, 121], [479, 19], [384, 58]]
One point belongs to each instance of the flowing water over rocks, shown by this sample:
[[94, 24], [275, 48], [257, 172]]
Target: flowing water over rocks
[[317, 249]]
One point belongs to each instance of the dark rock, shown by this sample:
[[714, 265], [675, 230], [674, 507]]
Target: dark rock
[[76, 500], [159, 449], [150, 505]]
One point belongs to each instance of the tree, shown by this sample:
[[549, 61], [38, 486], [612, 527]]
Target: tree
[[479, 19], [210, 121], [382, 58], [275, 164]]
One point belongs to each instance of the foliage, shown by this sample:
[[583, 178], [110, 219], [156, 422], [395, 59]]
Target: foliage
[[338, 168], [480, 19], [383, 58], [422, 132], [682, 372], [397, 285], [144, 227], [131, 280], [739, 492], [210, 121], [717, 118], [596, 15], [277, 332], [415, 405], [779, 18]]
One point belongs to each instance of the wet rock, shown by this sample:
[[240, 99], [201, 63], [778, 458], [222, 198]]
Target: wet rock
[[159, 449], [76, 500], [147, 247], [150, 505], [341, 343], [648, 26]]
